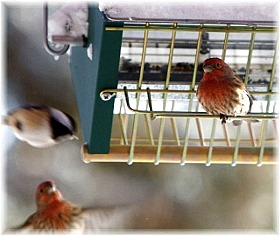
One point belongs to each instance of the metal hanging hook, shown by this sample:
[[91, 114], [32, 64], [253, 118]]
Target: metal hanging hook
[[48, 48]]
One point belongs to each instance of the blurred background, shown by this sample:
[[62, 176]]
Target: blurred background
[[218, 197]]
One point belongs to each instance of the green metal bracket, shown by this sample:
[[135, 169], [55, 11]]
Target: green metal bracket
[[90, 77]]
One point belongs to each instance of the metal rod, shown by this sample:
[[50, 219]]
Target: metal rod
[[174, 126], [269, 89], [225, 46], [160, 139], [172, 154], [150, 103], [209, 28], [133, 138], [211, 43], [162, 114], [211, 144], [123, 130], [186, 141], [196, 60], [200, 130], [170, 57], [236, 149], [227, 136], [125, 117], [258, 116], [149, 128], [48, 48], [148, 120], [263, 136], [170, 141], [65, 39], [194, 41], [170, 91], [261, 127], [162, 122], [136, 116], [175, 131], [252, 134], [274, 65], [238, 132], [275, 122], [249, 58], [225, 43], [123, 125]]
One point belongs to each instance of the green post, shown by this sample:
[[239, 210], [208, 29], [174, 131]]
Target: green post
[[90, 77]]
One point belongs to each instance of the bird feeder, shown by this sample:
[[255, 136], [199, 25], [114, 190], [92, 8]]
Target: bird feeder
[[152, 105]]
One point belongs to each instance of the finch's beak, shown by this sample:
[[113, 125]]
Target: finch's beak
[[207, 68], [52, 189]]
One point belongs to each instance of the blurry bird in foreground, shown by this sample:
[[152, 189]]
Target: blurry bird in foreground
[[54, 214], [221, 92], [40, 125]]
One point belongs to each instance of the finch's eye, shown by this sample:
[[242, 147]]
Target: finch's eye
[[218, 65], [41, 190]]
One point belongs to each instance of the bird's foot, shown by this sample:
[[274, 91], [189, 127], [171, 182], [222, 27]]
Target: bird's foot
[[223, 118]]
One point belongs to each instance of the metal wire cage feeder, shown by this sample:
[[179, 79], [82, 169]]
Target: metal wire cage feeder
[[149, 99]]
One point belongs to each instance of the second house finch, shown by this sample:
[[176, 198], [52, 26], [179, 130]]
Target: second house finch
[[53, 212], [221, 92], [40, 125]]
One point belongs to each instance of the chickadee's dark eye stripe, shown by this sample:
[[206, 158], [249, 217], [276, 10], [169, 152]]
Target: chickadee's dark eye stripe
[[19, 125]]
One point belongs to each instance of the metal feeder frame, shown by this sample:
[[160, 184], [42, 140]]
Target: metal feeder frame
[[96, 86]]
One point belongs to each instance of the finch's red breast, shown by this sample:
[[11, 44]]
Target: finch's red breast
[[53, 212], [220, 91]]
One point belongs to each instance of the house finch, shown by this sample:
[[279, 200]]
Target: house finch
[[40, 126], [221, 92], [53, 212]]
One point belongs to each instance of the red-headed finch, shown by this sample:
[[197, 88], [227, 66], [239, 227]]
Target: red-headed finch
[[221, 92], [53, 212]]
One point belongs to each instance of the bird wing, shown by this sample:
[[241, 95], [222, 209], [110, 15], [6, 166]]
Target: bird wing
[[154, 212], [250, 98], [26, 226], [61, 124]]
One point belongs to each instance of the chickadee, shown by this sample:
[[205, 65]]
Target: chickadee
[[40, 125]]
